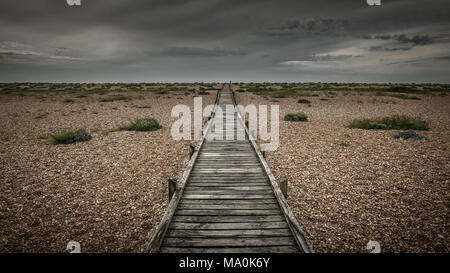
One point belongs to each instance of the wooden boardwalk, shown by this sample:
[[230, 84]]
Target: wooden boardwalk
[[228, 200]]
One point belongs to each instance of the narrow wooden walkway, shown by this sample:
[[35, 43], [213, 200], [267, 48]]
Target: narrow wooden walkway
[[229, 201]]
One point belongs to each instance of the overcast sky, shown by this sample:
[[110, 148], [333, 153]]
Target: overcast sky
[[222, 40]]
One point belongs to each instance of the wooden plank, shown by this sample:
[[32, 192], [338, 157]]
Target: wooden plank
[[230, 175], [224, 242], [266, 249], [253, 183], [230, 201], [227, 196], [236, 188], [236, 233], [229, 206], [227, 171], [229, 212], [226, 184], [226, 192], [248, 225], [227, 219]]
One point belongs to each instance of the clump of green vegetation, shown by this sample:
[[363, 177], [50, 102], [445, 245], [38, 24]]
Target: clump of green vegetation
[[69, 137], [315, 95], [42, 115], [397, 122], [303, 101], [114, 98], [344, 144], [146, 124], [296, 117], [324, 99], [410, 134], [203, 93], [143, 107], [69, 100], [405, 97]]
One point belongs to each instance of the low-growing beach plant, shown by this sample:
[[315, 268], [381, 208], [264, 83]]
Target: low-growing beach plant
[[396, 122], [296, 117], [69, 100], [303, 101], [69, 137], [410, 134], [114, 98], [145, 124], [344, 144]]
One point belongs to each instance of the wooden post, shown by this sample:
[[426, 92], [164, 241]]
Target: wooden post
[[191, 150], [283, 183], [172, 187]]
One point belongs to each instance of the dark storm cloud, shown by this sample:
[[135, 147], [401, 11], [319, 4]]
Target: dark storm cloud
[[293, 27], [403, 38], [197, 52], [384, 48], [133, 40]]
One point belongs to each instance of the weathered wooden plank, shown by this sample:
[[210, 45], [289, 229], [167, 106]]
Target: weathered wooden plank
[[224, 242], [227, 192], [248, 176], [227, 196], [249, 225], [229, 212], [227, 171], [227, 219], [229, 206], [236, 233], [236, 188], [266, 249], [226, 184], [272, 200]]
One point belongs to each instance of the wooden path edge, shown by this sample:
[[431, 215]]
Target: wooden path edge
[[161, 230], [298, 233]]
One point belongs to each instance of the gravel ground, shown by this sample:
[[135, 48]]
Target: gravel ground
[[388, 190], [109, 194]]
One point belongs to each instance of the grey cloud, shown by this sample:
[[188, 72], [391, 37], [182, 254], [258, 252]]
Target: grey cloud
[[196, 52], [214, 39], [294, 27], [387, 48], [328, 57], [403, 38]]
